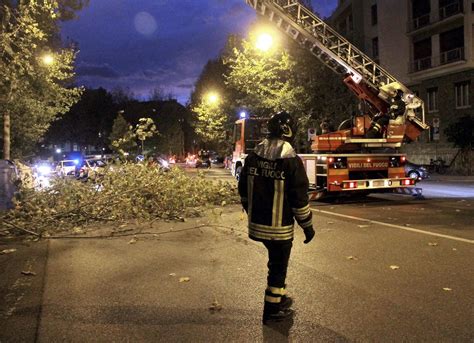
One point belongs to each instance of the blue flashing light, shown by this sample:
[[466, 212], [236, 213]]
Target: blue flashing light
[[76, 161]]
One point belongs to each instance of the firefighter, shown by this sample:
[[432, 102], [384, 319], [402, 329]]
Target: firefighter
[[273, 188], [381, 120]]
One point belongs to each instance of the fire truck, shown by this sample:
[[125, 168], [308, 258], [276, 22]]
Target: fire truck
[[347, 160]]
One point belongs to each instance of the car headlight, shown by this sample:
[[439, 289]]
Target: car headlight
[[44, 170]]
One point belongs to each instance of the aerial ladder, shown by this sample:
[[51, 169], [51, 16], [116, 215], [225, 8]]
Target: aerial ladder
[[370, 82]]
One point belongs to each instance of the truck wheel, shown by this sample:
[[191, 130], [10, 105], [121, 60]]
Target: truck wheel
[[238, 170]]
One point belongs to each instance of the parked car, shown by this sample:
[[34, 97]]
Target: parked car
[[191, 160], [415, 171], [67, 167], [203, 162], [218, 161]]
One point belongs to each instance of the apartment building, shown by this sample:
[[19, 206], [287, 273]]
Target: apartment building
[[427, 44]]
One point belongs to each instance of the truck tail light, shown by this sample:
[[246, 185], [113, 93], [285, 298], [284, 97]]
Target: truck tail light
[[408, 182], [350, 185], [397, 161]]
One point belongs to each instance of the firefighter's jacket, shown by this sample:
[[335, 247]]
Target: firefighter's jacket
[[273, 187]]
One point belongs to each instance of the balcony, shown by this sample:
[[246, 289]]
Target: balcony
[[450, 10], [451, 56], [421, 64], [444, 58], [419, 22]]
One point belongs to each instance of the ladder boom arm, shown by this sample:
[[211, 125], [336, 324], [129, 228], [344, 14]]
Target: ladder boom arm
[[336, 52]]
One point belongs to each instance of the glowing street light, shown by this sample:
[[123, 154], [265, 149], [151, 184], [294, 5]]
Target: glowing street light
[[264, 42], [58, 150], [243, 115], [213, 98], [47, 59]]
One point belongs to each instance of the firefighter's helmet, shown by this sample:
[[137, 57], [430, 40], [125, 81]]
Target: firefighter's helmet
[[281, 125]]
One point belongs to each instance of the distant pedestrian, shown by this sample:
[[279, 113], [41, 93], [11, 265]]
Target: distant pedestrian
[[273, 188]]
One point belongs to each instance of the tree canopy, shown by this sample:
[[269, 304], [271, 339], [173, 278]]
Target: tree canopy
[[33, 79]]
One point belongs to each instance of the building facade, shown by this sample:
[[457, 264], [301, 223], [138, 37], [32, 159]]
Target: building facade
[[426, 44]]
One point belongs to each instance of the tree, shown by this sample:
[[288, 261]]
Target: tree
[[87, 123], [121, 137], [267, 79], [210, 124], [34, 92], [145, 129]]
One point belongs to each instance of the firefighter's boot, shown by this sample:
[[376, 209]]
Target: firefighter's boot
[[286, 301], [274, 310]]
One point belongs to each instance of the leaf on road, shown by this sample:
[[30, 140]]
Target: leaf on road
[[407, 224], [330, 222], [28, 273], [394, 267], [77, 229], [352, 258], [458, 210], [184, 279], [172, 274], [215, 306], [447, 289], [454, 249], [7, 251], [433, 244], [362, 226], [133, 240]]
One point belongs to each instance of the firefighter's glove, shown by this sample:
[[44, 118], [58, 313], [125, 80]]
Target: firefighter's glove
[[309, 234]]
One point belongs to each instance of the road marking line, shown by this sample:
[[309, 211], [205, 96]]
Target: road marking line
[[465, 240]]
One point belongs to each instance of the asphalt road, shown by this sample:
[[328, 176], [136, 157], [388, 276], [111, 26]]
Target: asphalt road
[[381, 269]]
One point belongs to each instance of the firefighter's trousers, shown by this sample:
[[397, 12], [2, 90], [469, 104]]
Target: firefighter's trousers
[[278, 256]]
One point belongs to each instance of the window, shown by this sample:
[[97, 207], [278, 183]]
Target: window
[[432, 94], [422, 55], [461, 91], [451, 45], [373, 12], [375, 47]]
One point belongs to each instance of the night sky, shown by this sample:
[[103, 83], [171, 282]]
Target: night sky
[[147, 44]]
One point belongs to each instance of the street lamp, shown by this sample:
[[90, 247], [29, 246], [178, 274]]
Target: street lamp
[[47, 59], [264, 41], [213, 98]]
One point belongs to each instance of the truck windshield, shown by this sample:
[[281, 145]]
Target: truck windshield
[[255, 131]]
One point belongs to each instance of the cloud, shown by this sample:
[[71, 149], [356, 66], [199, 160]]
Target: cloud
[[97, 70]]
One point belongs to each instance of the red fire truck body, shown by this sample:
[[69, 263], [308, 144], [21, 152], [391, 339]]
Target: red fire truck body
[[331, 173]]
